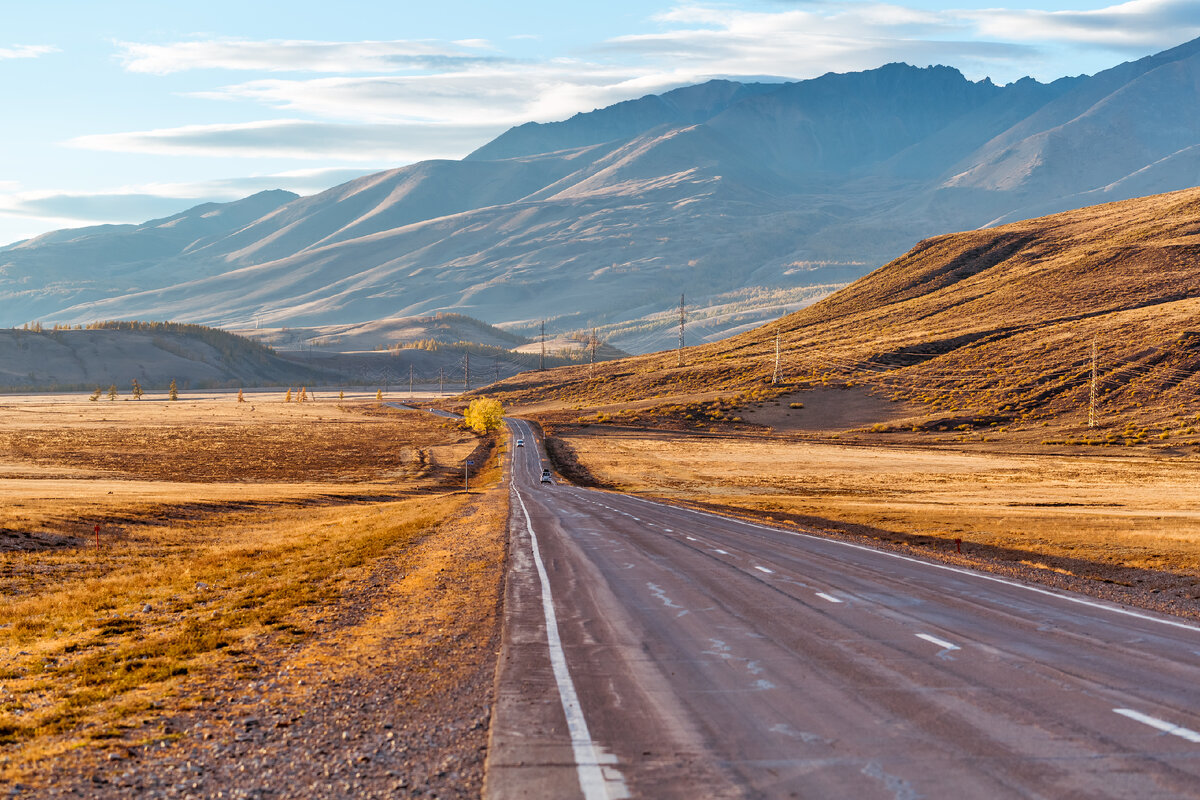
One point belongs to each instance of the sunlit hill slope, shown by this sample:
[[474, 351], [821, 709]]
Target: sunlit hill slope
[[989, 326]]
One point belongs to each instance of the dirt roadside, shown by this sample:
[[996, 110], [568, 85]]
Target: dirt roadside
[[390, 697]]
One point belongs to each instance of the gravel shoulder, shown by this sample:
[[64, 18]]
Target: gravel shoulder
[[390, 696]]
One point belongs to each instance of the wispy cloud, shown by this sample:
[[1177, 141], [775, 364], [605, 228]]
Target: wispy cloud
[[1136, 25], [306, 56], [152, 200], [301, 139], [26, 51]]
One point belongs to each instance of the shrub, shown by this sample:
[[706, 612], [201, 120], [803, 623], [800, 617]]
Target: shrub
[[484, 414]]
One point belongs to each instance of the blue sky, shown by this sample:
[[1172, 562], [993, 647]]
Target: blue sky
[[122, 111]]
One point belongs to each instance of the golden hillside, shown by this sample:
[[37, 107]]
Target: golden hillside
[[986, 326]]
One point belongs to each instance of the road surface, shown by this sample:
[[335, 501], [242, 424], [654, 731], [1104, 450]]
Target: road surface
[[658, 652]]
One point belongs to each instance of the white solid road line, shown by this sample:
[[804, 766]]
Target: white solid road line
[[764, 569], [598, 777], [1160, 724], [1083, 601], [828, 597], [942, 643]]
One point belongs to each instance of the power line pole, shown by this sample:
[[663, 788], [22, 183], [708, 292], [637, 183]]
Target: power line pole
[[775, 376], [543, 366], [682, 322], [467, 381], [496, 365], [441, 381], [410, 381], [592, 344], [1092, 400]]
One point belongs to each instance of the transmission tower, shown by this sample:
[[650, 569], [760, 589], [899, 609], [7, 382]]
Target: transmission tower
[[592, 346], [682, 323], [775, 375], [1092, 399], [467, 362], [441, 381], [543, 363], [410, 381]]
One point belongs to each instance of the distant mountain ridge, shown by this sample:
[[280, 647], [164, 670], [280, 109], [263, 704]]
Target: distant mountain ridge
[[718, 190]]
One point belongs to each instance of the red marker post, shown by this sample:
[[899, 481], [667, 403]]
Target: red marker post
[[958, 545], [97, 534]]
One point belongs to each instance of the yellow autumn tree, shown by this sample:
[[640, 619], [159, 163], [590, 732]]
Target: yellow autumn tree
[[484, 414]]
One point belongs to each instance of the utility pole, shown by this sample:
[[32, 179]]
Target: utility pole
[[682, 322], [496, 365], [410, 381], [543, 366], [592, 359], [467, 379], [441, 381], [1092, 400], [775, 375]]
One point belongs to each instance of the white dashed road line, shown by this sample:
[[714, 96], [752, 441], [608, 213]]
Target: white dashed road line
[[1160, 724], [764, 569], [828, 597], [942, 643]]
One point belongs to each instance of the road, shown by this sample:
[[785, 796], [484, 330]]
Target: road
[[658, 652]]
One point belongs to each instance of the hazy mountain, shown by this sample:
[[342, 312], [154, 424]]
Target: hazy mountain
[[154, 354], [732, 193]]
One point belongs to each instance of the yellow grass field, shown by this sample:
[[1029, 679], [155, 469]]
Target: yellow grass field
[[230, 535]]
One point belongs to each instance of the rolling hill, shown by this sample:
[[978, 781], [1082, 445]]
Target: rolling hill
[[762, 197], [153, 353], [985, 329]]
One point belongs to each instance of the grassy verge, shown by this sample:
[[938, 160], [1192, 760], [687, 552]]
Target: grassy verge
[[91, 656]]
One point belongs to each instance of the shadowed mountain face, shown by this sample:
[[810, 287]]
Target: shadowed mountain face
[[749, 196]]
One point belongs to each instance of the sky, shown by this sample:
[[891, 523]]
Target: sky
[[127, 110]]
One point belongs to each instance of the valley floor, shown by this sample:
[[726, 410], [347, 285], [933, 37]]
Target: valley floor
[[287, 600]]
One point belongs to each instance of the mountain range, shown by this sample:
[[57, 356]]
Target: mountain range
[[752, 199]]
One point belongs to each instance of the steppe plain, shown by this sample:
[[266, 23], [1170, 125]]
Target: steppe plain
[[286, 599]]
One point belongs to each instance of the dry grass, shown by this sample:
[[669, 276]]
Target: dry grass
[[191, 576], [988, 326]]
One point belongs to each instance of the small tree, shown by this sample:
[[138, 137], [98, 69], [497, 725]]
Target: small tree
[[484, 414], [288, 397], [112, 391], [341, 395], [379, 396], [241, 399], [137, 390], [96, 394], [300, 398], [173, 391]]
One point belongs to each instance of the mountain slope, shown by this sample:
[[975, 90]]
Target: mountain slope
[[154, 354], [989, 326], [767, 190]]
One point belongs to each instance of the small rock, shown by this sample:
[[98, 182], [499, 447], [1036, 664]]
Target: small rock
[[201, 585], [146, 609]]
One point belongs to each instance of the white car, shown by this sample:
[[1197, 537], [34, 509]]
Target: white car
[[520, 442], [546, 475]]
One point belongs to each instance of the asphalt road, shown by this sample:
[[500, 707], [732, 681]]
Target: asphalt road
[[658, 652]]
